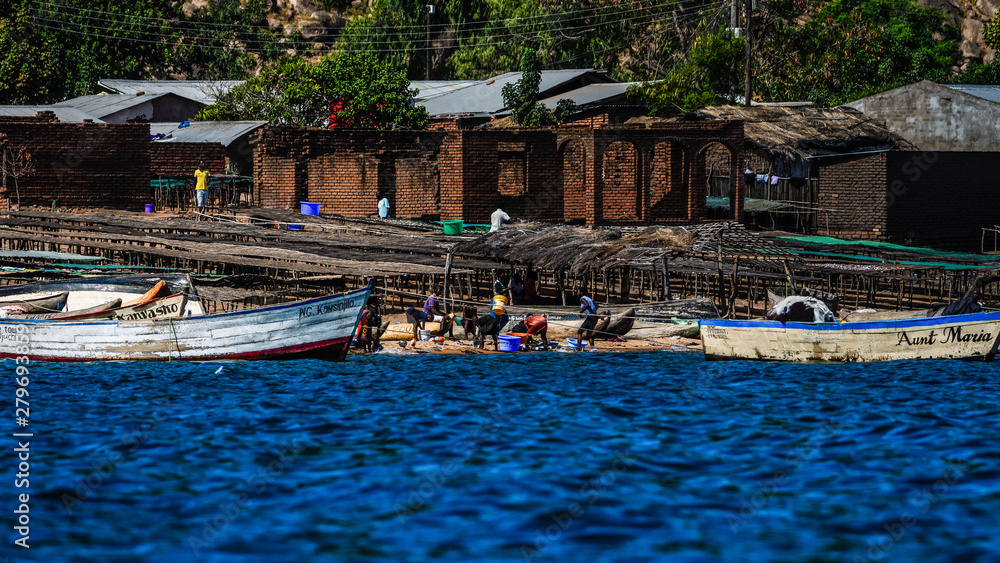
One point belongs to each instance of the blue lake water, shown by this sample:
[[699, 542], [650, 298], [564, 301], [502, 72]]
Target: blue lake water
[[546, 457]]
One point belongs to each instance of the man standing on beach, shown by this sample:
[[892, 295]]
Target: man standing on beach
[[588, 307], [201, 187]]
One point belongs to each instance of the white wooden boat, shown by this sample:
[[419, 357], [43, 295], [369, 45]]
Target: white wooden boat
[[974, 336], [315, 328]]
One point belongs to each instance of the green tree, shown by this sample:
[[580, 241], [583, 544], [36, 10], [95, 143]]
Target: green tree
[[28, 70], [853, 49], [372, 92], [360, 89], [711, 74], [519, 97]]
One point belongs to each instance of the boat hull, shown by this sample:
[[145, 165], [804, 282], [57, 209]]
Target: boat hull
[[317, 328], [973, 336]]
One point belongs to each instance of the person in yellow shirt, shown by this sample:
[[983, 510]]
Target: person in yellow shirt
[[201, 187]]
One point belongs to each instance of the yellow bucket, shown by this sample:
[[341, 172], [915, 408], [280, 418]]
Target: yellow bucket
[[499, 304]]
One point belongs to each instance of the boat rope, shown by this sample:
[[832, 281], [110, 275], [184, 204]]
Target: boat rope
[[170, 338]]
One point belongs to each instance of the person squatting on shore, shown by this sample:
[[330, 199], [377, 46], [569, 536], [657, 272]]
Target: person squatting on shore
[[537, 325], [419, 317]]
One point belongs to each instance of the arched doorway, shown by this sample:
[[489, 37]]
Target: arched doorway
[[716, 162], [668, 186], [573, 154]]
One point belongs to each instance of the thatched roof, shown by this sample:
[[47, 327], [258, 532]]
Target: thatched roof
[[578, 249], [798, 132]]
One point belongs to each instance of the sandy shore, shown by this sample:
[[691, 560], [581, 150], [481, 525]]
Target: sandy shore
[[460, 346]]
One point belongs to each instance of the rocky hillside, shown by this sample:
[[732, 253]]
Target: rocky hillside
[[969, 17]]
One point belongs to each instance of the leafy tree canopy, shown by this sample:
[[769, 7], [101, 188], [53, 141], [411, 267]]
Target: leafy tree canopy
[[711, 75], [358, 88], [519, 97]]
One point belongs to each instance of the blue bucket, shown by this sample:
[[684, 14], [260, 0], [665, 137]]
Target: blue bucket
[[509, 343], [572, 343], [310, 208]]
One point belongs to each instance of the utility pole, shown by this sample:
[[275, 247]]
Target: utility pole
[[734, 15], [748, 35], [427, 44]]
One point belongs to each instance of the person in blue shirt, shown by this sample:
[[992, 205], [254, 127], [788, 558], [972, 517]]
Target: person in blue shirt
[[589, 308], [383, 208]]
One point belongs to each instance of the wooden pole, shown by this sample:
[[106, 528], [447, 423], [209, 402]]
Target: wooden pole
[[447, 276], [722, 281], [665, 272]]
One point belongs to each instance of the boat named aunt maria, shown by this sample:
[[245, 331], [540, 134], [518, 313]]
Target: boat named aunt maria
[[162, 319], [970, 336]]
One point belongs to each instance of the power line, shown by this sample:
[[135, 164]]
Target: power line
[[636, 20], [496, 39], [507, 22]]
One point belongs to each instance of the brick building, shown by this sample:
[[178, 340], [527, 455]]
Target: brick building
[[923, 198], [79, 164], [620, 175]]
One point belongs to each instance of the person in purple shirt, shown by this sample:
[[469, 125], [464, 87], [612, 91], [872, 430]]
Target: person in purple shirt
[[419, 317]]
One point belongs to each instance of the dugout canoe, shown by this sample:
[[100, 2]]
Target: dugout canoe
[[974, 336], [114, 304], [36, 304], [315, 328]]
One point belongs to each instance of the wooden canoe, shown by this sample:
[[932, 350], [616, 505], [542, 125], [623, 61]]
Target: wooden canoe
[[159, 290], [85, 293], [171, 306], [39, 305], [974, 336], [74, 314], [316, 328]]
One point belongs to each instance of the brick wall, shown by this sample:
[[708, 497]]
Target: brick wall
[[574, 180], [619, 198], [345, 170], [852, 195], [183, 158], [82, 165], [558, 174], [417, 190]]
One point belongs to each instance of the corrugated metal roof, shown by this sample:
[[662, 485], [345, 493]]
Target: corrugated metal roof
[[64, 114], [592, 93], [204, 91], [485, 96], [985, 91], [224, 132], [433, 88], [103, 105]]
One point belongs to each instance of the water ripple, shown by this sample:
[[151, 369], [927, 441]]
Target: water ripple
[[558, 457]]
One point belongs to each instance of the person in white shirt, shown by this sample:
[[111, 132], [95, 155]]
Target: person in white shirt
[[383, 208], [497, 219]]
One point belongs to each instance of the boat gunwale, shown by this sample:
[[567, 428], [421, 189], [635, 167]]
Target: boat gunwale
[[176, 320], [915, 322]]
